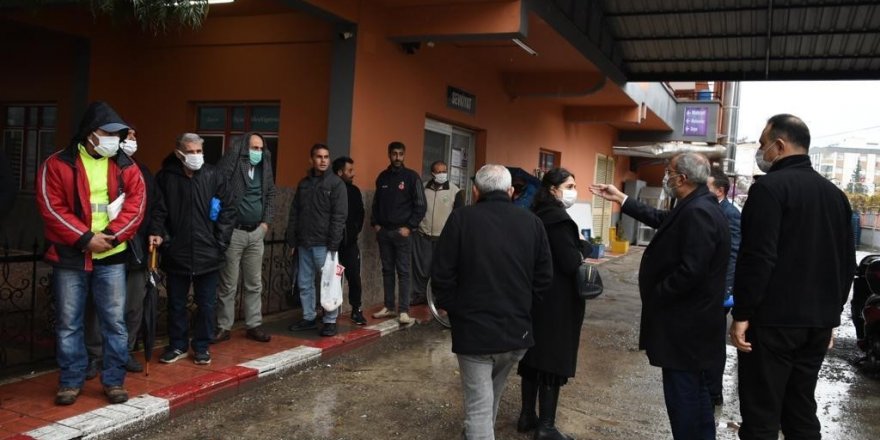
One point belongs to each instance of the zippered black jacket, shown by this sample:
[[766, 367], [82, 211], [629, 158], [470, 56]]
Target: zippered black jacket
[[194, 245], [318, 212], [491, 263], [797, 255], [399, 200]]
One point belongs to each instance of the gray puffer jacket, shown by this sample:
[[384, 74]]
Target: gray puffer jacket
[[318, 212]]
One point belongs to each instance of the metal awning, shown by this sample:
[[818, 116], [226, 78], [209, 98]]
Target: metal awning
[[669, 40]]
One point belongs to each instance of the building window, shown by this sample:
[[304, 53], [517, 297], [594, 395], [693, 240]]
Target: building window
[[223, 125], [28, 139], [547, 160]]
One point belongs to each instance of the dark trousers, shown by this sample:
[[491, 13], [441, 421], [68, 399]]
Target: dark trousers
[[777, 382], [690, 410], [350, 257], [423, 254], [395, 251], [716, 372], [205, 296]]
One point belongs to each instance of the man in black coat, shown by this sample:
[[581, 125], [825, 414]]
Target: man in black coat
[[193, 241], [487, 282], [315, 226], [349, 251], [788, 300], [681, 283], [398, 208]]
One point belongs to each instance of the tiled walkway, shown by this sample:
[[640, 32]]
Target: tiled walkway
[[26, 405]]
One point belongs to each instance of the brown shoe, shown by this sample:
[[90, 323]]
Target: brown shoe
[[66, 395], [258, 335], [116, 394], [220, 336]]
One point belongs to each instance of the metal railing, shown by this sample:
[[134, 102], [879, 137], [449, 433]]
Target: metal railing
[[27, 305]]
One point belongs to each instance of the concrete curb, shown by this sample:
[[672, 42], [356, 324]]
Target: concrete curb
[[146, 410]]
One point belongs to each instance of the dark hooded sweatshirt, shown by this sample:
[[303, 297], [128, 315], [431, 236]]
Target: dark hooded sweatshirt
[[235, 165]]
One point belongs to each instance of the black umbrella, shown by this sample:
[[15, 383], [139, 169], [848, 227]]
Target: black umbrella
[[151, 303]]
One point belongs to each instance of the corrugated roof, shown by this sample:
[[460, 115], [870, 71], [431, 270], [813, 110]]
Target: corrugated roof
[[653, 40]]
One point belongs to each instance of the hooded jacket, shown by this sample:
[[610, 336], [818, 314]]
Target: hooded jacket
[[193, 243], [235, 165], [62, 195]]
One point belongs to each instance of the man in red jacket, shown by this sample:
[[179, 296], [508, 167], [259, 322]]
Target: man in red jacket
[[92, 201]]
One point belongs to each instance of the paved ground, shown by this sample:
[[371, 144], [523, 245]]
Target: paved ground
[[407, 385]]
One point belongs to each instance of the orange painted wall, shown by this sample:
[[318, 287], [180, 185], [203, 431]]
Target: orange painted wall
[[154, 83], [285, 58], [170, 76], [44, 65], [395, 92]]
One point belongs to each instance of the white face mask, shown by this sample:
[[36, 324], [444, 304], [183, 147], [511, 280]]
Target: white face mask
[[763, 165], [569, 196], [194, 161], [441, 178], [129, 147], [107, 145]]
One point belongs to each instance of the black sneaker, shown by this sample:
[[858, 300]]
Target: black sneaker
[[171, 355], [357, 317], [329, 329], [93, 369], [305, 324], [203, 358], [133, 365]]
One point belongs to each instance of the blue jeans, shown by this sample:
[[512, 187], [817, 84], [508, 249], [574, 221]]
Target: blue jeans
[[311, 260], [205, 296], [71, 288], [483, 378], [691, 413]]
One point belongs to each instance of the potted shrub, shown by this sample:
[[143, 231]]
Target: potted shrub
[[598, 248]]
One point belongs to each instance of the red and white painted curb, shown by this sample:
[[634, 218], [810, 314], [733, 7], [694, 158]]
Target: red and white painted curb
[[146, 410]]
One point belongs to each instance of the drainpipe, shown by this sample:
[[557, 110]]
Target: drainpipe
[[730, 108]]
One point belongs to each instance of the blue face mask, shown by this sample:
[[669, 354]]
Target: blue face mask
[[255, 156]]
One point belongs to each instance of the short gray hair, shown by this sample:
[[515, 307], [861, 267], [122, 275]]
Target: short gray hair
[[189, 138], [492, 177], [693, 165]]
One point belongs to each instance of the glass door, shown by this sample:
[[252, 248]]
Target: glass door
[[453, 145]]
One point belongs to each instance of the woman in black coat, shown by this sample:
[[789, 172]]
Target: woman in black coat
[[557, 319]]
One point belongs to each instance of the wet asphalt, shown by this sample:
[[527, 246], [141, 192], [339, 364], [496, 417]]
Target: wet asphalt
[[406, 385]]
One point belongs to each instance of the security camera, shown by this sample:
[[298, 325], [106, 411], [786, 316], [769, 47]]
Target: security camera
[[347, 35], [411, 48]]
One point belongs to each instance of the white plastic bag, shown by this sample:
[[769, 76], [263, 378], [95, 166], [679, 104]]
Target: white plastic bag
[[331, 282]]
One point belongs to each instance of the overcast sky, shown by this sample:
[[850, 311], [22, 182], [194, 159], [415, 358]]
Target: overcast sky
[[833, 110]]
